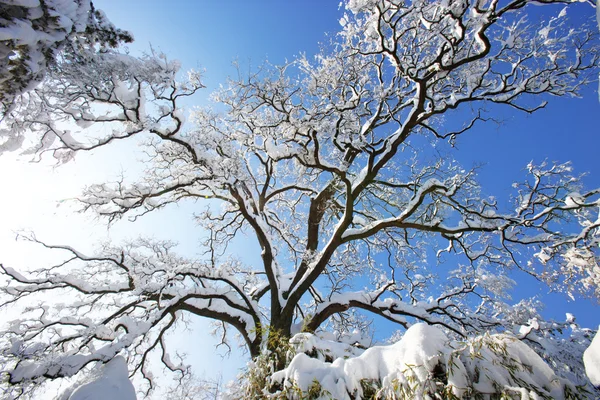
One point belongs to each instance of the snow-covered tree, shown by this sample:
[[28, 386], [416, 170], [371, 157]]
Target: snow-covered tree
[[335, 165], [34, 33]]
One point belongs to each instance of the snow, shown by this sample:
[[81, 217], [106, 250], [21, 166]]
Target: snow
[[179, 114], [36, 33], [429, 185], [111, 383], [420, 347], [574, 199], [591, 360], [419, 362], [324, 345], [23, 3]]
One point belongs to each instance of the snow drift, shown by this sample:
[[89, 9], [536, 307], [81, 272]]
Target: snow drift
[[591, 359], [425, 362], [111, 383]]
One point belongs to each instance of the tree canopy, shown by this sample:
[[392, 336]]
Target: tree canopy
[[336, 166], [34, 34]]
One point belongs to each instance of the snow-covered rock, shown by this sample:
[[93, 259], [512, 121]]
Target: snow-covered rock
[[112, 383]]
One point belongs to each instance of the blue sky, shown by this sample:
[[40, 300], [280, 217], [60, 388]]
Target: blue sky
[[212, 34]]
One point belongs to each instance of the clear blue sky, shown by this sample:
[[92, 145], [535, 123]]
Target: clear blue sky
[[211, 34]]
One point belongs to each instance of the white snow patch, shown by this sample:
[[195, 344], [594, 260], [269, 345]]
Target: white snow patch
[[411, 365], [112, 383], [416, 354], [591, 360]]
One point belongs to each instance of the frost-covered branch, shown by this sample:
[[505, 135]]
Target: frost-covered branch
[[34, 34], [126, 297], [126, 95]]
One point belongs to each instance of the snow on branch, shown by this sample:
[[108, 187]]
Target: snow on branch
[[122, 298], [126, 95], [34, 34]]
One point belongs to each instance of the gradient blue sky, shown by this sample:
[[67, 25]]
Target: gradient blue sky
[[212, 34]]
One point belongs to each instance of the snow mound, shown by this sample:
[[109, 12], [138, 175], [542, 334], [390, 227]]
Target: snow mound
[[112, 383], [591, 360], [420, 347], [425, 363]]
